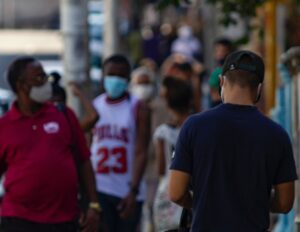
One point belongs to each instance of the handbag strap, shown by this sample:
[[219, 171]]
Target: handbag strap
[[61, 107], [185, 219]]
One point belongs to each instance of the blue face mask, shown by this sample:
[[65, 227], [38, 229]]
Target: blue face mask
[[115, 86]]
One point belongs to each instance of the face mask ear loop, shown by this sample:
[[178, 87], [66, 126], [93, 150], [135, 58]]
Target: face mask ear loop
[[258, 95], [220, 88]]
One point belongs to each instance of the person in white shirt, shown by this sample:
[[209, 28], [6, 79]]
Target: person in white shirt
[[119, 147]]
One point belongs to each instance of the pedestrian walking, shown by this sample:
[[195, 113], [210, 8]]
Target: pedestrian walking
[[180, 67], [186, 43], [142, 84], [222, 48], [143, 87], [240, 163], [37, 156], [119, 148], [178, 94]]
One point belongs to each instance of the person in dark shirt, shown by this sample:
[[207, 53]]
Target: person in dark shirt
[[240, 162]]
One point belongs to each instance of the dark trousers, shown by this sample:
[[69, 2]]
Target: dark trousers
[[12, 224], [110, 215]]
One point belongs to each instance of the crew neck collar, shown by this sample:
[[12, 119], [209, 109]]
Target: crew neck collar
[[16, 114], [231, 106], [116, 101]]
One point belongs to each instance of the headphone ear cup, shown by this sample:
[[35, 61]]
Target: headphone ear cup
[[258, 98], [258, 95]]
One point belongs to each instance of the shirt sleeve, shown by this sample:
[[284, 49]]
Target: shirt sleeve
[[79, 139], [286, 170], [182, 158]]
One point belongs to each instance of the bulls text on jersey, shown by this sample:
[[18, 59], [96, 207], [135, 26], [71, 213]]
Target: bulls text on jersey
[[112, 132]]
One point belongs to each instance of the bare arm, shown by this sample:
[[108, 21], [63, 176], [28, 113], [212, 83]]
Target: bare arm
[[91, 116], [160, 156], [88, 179], [90, 220], [283, 198], [178, 189], [143, 137]]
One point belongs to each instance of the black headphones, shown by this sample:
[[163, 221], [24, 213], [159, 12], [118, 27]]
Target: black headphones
[[259, 94]]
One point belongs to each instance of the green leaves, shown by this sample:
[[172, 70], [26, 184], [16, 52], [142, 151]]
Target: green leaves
[[162, 4], [245, 8]]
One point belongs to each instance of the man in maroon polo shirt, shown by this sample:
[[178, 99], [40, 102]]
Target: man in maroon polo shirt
[[36, 140]]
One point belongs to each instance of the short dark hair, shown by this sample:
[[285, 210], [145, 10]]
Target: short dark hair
[[119, 59], [16, 70], [225, 42], [184, 67], [179, 94], [58, 92], [242, 77]]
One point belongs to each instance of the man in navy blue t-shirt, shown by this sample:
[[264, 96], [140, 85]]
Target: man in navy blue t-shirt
[[239, 162]]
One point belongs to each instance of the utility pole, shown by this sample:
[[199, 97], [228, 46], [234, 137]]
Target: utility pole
[[8, 13], [111, 32], [75, 39], [271, 53], [210, 25]]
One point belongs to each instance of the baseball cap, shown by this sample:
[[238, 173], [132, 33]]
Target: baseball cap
[[247, 61]]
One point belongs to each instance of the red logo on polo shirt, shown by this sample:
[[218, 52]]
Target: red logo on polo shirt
[[51, 127]]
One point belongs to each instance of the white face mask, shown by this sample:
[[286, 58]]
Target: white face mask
[[41, 93], [142, 91], [185, 32]]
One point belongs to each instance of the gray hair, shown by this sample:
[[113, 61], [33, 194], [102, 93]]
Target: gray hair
[[142, 71]]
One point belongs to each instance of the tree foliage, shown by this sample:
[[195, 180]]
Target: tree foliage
[[245, 8], [162, 4]]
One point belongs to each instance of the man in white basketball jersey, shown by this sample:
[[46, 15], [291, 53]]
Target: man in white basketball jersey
[[119, 146]]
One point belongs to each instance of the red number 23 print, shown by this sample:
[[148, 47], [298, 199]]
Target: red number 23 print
[[119, 154]]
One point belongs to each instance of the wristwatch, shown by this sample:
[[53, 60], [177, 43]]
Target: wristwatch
[[95, 206]]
